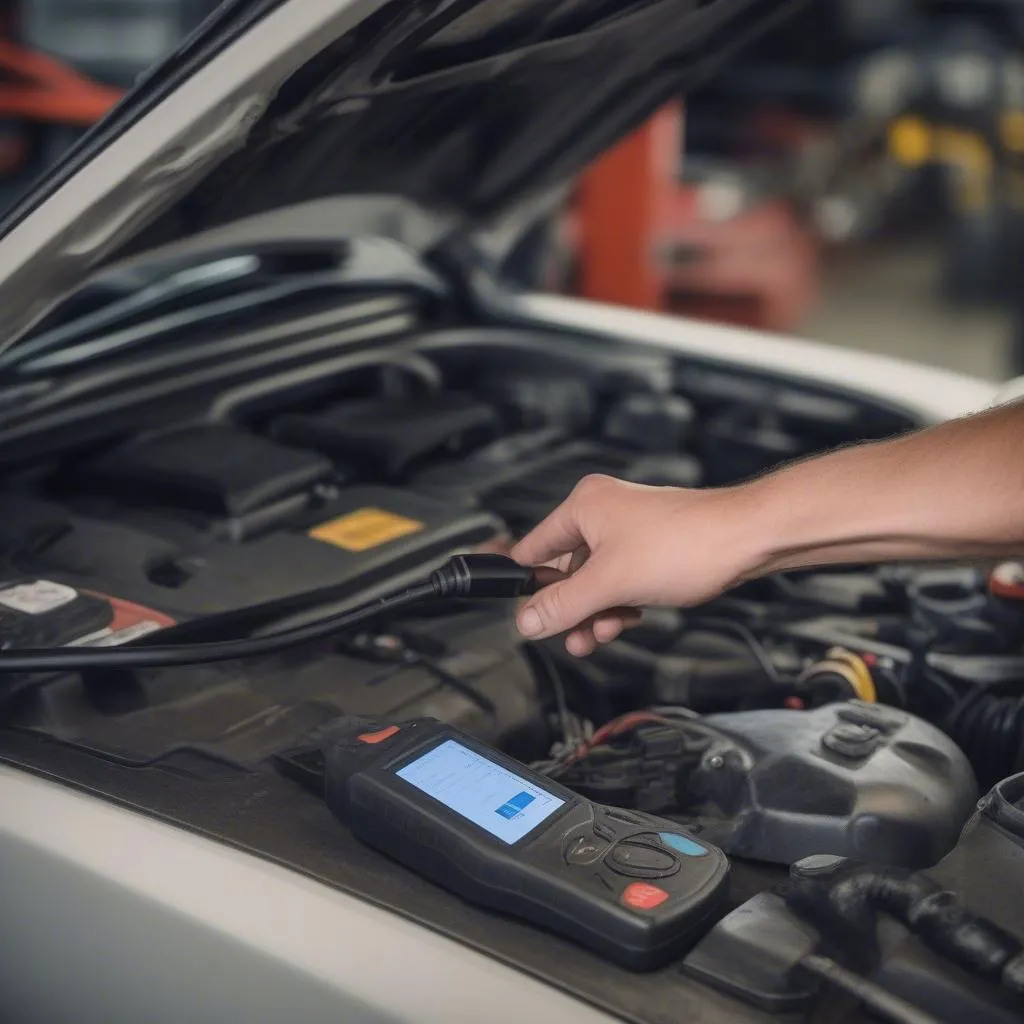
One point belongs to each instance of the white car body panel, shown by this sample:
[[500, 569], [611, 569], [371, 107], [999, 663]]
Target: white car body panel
[[110, 917], [929, 394]]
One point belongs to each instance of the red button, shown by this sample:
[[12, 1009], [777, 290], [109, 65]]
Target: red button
[[378, 737], [643, 896]]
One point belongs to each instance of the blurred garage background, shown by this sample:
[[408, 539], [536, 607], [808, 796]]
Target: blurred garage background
[[856, 176]]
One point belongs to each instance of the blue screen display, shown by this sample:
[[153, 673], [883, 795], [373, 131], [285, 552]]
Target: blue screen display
[[481, 791]]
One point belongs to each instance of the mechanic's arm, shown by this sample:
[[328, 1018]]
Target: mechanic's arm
[[949, 492]]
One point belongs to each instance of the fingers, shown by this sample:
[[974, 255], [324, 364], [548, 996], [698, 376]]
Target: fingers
[[559, 568], [500, 545], [558, 535], [548, 575], [609, 625], [581, 642], [603, 629], [566, 604], [579, 602], [562, 531]]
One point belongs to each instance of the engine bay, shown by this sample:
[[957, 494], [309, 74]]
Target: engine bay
[[859, 713]]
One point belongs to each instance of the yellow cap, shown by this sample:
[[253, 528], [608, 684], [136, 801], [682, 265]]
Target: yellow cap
[[910, 141]]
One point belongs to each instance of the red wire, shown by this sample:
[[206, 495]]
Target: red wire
[[616, 727]]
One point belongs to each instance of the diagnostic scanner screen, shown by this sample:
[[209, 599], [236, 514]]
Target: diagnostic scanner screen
[[483, 792]]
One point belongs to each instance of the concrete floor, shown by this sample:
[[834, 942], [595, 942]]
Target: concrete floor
[[887, 300]]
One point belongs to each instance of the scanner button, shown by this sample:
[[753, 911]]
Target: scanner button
[[378, 737], [682, 844], [634, 859], [643, 896], [585, 850]]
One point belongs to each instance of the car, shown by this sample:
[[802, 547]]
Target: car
[[260, 367]]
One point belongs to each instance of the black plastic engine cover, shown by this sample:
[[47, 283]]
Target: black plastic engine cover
[[211, 468], [388, 438], [358, 538], [522, 486], [465, 669], [855, 780]]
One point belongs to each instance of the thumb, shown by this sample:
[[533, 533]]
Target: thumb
[[563, 605]]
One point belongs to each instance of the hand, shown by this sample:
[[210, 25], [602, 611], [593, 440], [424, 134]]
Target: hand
[[622, 546]]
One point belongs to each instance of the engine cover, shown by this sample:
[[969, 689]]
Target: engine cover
[[855, 780]]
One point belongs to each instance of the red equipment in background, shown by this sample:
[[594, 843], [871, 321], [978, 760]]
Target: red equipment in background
[[43, 105], [36, 88], [645, 239]]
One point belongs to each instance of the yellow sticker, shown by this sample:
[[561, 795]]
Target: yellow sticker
[[364, 529]]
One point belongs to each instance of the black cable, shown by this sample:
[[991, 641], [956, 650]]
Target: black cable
[[82, 658], [934, 679], [879, 999], [464, 576], [756, 648], [846, 904], [554, 679], [449, 679]]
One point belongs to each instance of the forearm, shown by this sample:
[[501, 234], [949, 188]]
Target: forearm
[[953, 491]]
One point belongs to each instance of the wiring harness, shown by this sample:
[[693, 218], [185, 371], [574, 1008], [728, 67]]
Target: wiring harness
[[846, 900]]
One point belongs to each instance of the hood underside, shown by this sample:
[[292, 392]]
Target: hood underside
[[455, 113]]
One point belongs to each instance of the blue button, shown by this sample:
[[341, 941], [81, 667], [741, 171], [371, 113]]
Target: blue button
[[682, 844]]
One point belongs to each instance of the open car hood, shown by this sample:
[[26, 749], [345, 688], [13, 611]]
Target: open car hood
[[420, 120]]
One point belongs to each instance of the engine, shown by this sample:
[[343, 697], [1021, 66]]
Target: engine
[[858, 712], [283, 503]]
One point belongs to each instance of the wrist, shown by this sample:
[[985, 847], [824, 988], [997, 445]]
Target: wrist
[[741, 542], [780, 525], [764, 525], [850, 505]]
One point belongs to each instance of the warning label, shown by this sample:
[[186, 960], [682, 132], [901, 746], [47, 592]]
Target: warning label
[[364, 529], [38, 597], [129, 622]]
